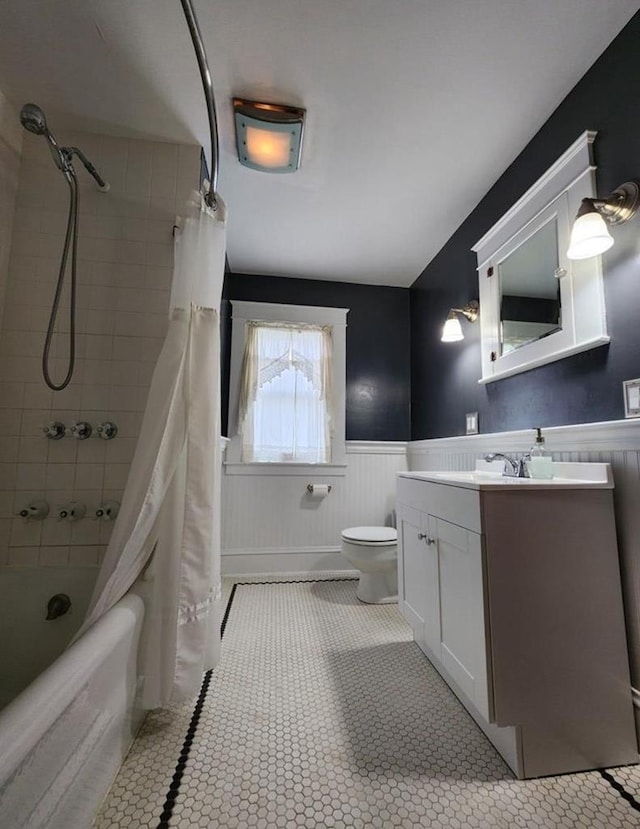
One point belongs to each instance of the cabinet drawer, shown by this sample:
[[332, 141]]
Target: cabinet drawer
[[455, 504]]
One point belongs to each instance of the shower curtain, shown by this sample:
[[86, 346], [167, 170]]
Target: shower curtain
[[169, 522]]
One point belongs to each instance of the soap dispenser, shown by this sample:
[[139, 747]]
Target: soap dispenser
[[541, 463]]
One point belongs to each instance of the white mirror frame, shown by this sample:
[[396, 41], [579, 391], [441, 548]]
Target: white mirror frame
[[555, 196]]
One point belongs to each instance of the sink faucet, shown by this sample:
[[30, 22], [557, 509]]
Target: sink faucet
[[512, 468]]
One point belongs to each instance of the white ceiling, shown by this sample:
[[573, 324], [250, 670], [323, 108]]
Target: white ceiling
[[414, 107]]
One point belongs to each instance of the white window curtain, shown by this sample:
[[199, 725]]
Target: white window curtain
[[285, 405], [170, 513]]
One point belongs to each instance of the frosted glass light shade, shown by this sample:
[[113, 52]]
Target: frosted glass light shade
[[268, 136], [452, 330], [589, 237], [268, 149]]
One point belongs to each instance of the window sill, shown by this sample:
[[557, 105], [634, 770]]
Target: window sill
[[307, 469]]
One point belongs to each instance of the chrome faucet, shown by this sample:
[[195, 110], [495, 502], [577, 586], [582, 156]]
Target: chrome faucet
[[512, 468]]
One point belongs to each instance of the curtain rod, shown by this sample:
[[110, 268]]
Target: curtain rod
[[205, 74]]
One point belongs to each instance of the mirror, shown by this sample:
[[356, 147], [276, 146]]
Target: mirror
[[530, 304], [537, 306]]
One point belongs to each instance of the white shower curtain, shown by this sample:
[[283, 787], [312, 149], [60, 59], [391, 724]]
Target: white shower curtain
[[170, 514]]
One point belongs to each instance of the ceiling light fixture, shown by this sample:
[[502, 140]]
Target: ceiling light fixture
[[452, 330], [268, 136], [590, 235]]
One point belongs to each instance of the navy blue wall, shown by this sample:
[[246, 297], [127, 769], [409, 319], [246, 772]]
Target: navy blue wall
[[580, 389], [378, 390]]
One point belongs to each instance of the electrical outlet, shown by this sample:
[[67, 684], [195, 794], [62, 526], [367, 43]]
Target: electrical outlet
[[472, 423], [631, 390]]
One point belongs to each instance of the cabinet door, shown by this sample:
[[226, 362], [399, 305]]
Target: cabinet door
[[463, 649], [418, 580]]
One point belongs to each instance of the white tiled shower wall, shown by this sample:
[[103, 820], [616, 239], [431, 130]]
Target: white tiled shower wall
[[125, 257], [11, 134]]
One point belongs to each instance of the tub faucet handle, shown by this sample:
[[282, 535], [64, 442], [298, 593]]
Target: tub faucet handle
[[55, 430], [81, 430], [35, 511], [73, 511], [107, 430], [108, 511]]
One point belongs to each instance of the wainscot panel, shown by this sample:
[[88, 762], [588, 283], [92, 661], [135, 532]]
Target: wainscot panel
[[271, 524]]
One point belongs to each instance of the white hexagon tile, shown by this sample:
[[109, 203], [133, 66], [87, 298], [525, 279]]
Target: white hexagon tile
[[324, 713]]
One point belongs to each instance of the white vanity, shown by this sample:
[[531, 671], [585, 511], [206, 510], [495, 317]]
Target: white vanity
[[512, 588]]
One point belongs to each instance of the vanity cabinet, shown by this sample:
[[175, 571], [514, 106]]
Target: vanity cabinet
[[513, 593]]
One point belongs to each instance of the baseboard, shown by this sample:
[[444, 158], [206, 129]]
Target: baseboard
[[274, 561], [295, 575], [282, 551]]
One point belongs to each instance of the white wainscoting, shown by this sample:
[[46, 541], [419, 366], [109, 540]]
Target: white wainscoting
[[615, 442], [271, 525]]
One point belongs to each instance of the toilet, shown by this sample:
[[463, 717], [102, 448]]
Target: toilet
[[374, 552]]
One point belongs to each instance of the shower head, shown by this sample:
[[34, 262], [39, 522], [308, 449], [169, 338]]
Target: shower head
[[32, 119]]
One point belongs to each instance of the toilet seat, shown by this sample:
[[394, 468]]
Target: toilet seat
[[371, 536]]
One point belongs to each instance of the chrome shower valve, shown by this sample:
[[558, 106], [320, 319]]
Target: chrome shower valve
[[81, 430], [107, 430], [55, 430]]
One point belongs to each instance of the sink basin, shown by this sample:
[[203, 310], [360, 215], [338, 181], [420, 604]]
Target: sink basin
[[566, 476]]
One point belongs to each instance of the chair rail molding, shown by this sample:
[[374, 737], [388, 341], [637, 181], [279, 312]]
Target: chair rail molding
[[605, 436], [376, 447]]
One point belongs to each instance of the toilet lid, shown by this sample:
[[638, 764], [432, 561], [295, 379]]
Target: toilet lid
[[371, 535]]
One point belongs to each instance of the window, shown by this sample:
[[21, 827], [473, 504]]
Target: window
[[287, 392], [285, 389]]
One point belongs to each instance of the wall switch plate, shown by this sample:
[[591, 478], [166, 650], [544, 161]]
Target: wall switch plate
[[631, 390], [472, 423]]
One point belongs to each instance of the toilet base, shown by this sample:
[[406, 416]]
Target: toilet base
[[378, 588]]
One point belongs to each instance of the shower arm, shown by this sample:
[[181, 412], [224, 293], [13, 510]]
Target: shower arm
[[207, 86]]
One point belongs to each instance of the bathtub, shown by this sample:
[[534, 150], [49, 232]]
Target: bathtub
[[63, 738], [28, 642]]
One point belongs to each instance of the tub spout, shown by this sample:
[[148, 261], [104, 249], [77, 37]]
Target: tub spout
[[58, 605]]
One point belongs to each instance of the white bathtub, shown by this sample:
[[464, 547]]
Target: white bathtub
[[63, 738], [28, 642]]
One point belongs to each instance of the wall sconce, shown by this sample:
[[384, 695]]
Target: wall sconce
[[452, 330], [268, 136], [590, 235]]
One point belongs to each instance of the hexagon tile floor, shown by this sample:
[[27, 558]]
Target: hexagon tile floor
[[324, 713]]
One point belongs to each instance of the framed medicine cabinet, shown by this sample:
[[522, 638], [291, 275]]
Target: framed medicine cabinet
[[536, 305]]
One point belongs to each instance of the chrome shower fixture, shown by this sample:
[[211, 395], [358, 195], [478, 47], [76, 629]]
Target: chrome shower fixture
[[81, 430], [57, 606], [33, 119], [35, 511], [55, 430]]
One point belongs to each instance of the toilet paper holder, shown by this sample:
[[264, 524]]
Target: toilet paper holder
[[311, 486]]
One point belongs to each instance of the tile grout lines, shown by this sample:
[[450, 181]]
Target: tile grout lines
[[174, 787], [620, 789]]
